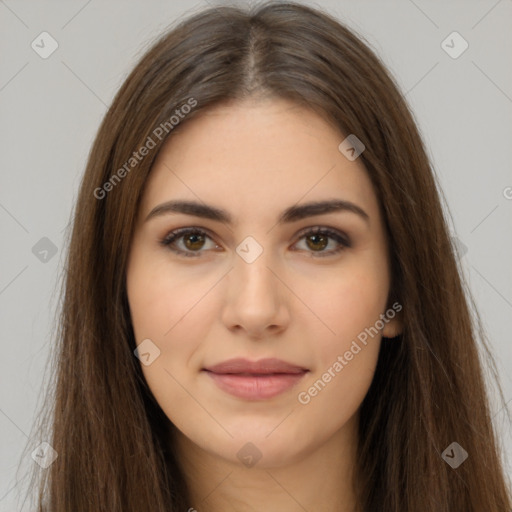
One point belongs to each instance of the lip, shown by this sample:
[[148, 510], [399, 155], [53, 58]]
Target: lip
[[255, 380], [262, 366]]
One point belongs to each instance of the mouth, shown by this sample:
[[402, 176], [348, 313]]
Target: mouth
[[258, 380]]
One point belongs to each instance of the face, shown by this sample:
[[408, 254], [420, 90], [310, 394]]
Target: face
[[255, 272]]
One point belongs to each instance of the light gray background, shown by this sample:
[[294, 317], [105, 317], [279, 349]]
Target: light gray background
[[51, 108]]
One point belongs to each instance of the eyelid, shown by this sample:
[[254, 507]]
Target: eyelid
[[178, 233], [333, 232]]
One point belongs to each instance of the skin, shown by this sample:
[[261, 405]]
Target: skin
[[255, 159]]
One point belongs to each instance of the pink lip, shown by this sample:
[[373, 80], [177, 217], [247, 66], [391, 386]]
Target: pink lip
[[256, 380]]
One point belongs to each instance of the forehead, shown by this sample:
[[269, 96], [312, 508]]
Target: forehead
[[252, 157]]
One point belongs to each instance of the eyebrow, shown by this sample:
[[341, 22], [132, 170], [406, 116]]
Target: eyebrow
[[291, 214]]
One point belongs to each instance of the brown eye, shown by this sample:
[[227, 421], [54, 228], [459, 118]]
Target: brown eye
[[319, 238], [194, 241], [317, 242], [190, 242]]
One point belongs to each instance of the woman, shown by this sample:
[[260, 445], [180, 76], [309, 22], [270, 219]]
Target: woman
[[262, 308]]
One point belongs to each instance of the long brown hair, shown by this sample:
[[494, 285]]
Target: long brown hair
[[429, 389]]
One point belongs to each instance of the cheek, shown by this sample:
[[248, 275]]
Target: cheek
[[163, 299], [173, 310], [349, 303], [346, 358]]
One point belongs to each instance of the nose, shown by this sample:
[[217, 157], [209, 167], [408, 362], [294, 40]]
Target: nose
[[256, 301]]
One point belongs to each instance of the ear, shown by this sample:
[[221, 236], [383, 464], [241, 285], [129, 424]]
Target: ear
[[394, 324]]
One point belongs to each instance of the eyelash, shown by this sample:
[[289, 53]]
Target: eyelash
[[175, 235]]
